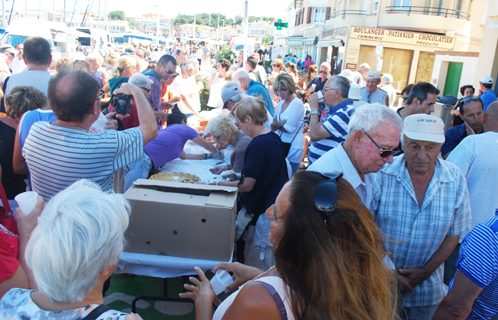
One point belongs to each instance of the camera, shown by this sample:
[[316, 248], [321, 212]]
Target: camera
[[121, 103]]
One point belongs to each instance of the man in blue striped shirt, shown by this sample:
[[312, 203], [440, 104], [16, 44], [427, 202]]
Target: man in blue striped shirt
[[61, 152], [334, 130], [474, 290]]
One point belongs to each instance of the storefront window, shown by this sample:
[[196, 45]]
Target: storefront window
[[396, 62], [425, 66]]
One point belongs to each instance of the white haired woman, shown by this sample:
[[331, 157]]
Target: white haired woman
[[225, 133], [72, 251]]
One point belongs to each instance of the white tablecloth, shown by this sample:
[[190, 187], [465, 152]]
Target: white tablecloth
[[166, 266]]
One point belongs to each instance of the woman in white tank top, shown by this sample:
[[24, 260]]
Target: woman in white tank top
[[329, 260]]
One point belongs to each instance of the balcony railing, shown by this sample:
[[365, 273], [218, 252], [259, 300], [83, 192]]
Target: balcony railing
[[344, 13], [431, 11]]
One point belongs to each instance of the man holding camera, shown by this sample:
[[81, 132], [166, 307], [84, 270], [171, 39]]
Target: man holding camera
[[61, 152]]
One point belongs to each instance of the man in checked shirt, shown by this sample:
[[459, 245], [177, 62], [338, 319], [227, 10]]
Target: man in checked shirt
[[421, 205]]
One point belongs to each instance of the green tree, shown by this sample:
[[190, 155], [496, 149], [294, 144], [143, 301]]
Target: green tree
[[238, 20], [131, 24], [253, 19], [117, 15]]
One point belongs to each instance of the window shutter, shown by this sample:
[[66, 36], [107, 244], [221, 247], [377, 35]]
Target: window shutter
[[302, 15], [308, 18], [327, 13]]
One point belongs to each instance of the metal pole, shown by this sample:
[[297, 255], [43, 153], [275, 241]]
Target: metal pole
[[195, 16], [157, 27], [246, 25], [99, 17], [3, 15], [53, 10], [25, 9], [39, 9]]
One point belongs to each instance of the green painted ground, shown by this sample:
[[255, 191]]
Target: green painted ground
[[124, 289]]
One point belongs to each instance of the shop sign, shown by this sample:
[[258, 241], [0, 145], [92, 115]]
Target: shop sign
[[421, 39], [335, 33]]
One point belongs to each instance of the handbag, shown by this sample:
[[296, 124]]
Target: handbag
[[287, 145]]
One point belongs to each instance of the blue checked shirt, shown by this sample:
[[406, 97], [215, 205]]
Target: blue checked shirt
[[414, 234]]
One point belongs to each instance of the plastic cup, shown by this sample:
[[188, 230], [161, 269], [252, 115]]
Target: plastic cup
[[313, 85], [220, 281], [27, 201]]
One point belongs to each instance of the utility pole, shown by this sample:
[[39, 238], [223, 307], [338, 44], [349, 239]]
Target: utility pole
[[4, 25], [246, 27], [195, 16], [25, 9], [99, 16]]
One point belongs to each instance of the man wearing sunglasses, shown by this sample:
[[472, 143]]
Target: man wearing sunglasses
[[471, 111], [373, 133], [164, 70], [421, 205], [318, 82]]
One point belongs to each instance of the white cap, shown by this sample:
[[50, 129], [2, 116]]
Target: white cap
[[354, 91], [373, 74], [486, 80], [424, 127]]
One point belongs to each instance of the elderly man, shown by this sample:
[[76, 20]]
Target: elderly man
[[333, 130], [471, 111], [421, 100], [61, 152], [253, 88], [386, 85], [476, 157], [318, 83], [474, 290], [371, 93], [363, 69], [421, 206], [165, 70], [373, 132], [487, 95]]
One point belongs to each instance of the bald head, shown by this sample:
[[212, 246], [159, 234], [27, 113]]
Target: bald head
[[490, 118]]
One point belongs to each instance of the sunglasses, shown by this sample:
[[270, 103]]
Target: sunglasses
[[146, 89], [325, 196], [383, 153], [172, 73], [467, 100], [321, 71], [101, 96]]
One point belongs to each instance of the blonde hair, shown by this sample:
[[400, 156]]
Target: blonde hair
[[95, 58], [253, 107], [64, 64], [279, 63], [293, 66], [122, 64], [112, 58], [221, 125], [284, 81]]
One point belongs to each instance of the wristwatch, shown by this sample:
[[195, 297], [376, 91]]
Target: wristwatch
[[312, 112]]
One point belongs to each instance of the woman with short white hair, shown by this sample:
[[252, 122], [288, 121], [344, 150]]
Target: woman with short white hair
[[144, 83], [72, 251]]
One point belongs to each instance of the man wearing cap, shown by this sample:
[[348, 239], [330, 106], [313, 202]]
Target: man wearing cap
[[371, 93], [471, 112], [359, 156], [487, 95], [421, 206], [8, 55]]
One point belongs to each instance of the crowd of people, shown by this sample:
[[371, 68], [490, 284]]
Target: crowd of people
[[353, 210]]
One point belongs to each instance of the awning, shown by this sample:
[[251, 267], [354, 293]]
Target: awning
[[329, 43], [295, 41], [310, 41], [136, 36]]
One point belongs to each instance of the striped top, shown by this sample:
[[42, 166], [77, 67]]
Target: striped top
[[479, 262], [337, 125], [58, 156]]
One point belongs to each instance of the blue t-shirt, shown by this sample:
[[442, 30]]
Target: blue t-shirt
[[479, 262], [452, 137], [486, 98], [30, 118], [257, 89], [261, 161]]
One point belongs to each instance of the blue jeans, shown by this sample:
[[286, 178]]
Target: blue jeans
[[137, 170]]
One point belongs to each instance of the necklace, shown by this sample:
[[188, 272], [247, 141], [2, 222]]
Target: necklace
[[259, 132], [68, 126]]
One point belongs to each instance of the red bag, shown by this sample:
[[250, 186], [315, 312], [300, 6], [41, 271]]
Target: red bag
[[6, 216]]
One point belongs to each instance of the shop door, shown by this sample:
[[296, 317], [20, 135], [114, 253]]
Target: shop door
[[397, 63], [425, 66], [453, 78]]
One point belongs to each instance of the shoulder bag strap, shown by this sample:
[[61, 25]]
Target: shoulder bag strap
[[4, 199], [278, 300], [97, 312]]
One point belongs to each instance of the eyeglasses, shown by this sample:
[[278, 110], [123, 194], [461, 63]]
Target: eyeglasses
[[404, 98], [172, 73], [101, 96], [325, 89], [146, 89], [467, 100], [325, 196], [276, 65], [322, 71], [383, 153]]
